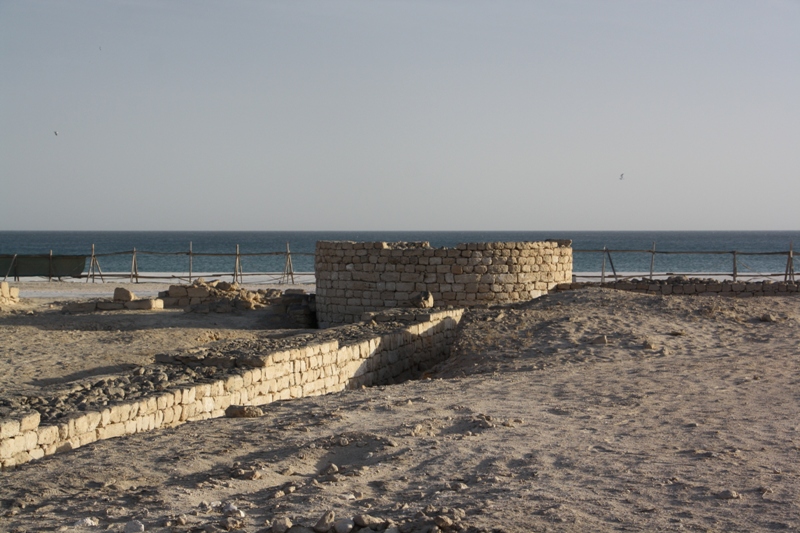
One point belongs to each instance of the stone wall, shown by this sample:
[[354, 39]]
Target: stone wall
[[356, 277], [317, 368], [696, 286]]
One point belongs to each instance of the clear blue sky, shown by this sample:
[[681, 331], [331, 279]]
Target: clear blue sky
[[405, 115]]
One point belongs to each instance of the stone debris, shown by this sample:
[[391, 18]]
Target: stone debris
[[280, 525], [134, 526], [421, 300], [344, 525], [697, 286], [87, 522], [243, 411], [8, 295], [325, 523], [649, 345], [217, 296], [122, 294]]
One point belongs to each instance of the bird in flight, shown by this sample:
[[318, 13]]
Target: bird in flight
[[56, 133], [621, 176]]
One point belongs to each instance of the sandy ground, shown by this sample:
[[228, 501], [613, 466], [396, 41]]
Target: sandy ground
[[590, 410]]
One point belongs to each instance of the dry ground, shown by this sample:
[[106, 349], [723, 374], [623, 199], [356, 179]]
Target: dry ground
[[686, 419]]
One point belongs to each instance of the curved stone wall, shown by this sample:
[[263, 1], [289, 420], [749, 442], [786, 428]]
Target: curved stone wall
[[357, 277]]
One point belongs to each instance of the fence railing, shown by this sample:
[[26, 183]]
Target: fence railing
[[237, 272], [788, 274], [288, 274]]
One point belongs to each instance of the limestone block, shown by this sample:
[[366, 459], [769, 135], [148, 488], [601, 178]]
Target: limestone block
[[111, 431], [87, 438], [4, 292], [13, 293], [197, 292], [188, 395], [47, 435], [11, 447], [122, 294], [177, 291], [110, 306], [36, 453], [158, 419], [81, 307], [9, 427], [29, 421], [208, 404], [145, 305]]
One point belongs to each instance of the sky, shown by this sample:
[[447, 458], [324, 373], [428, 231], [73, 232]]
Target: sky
[[400, 115]]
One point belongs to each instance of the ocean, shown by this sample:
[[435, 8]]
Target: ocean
[[302, 243]]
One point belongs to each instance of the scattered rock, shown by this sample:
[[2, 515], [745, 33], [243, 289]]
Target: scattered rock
[[122, 294], [134, 526], [325, 523], [421, 300], [728, 495], [281, 525], [89, 521], [768, 317], [344, 525], [365, 520], [243, 411], [602, 339]]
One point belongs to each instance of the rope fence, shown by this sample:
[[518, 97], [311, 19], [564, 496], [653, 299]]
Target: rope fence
[[788, 274], [288, 274]]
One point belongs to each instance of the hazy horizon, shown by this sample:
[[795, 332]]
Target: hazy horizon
[[399, 116]]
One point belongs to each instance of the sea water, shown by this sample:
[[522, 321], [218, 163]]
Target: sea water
[[167, 251]]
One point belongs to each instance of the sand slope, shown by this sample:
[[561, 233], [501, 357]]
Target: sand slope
[[687, 419]]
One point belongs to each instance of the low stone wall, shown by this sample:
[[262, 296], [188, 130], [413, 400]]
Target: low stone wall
[[317, 368], [8, 295], [357, 277], [697, 286]]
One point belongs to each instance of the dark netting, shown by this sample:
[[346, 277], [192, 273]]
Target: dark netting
[[44, 265]]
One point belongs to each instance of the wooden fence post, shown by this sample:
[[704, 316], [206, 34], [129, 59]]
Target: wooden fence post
[[603, 267], [734, 266], [652, 260], [190, 261], [10, 267]]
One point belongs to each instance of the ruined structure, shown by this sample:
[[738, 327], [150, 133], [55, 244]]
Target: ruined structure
[[357, 277]]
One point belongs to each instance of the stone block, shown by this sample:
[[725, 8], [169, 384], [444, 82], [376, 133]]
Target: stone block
[[81, 307], [9, 428], [177, 291], [145, 305], [4, 292], [11, 447], [197, 292], [111, 431], [47, 435], [122, 294], [29, 421], [110, 306]]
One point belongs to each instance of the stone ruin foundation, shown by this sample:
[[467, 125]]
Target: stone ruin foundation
[[211, 382], [358, 277]]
